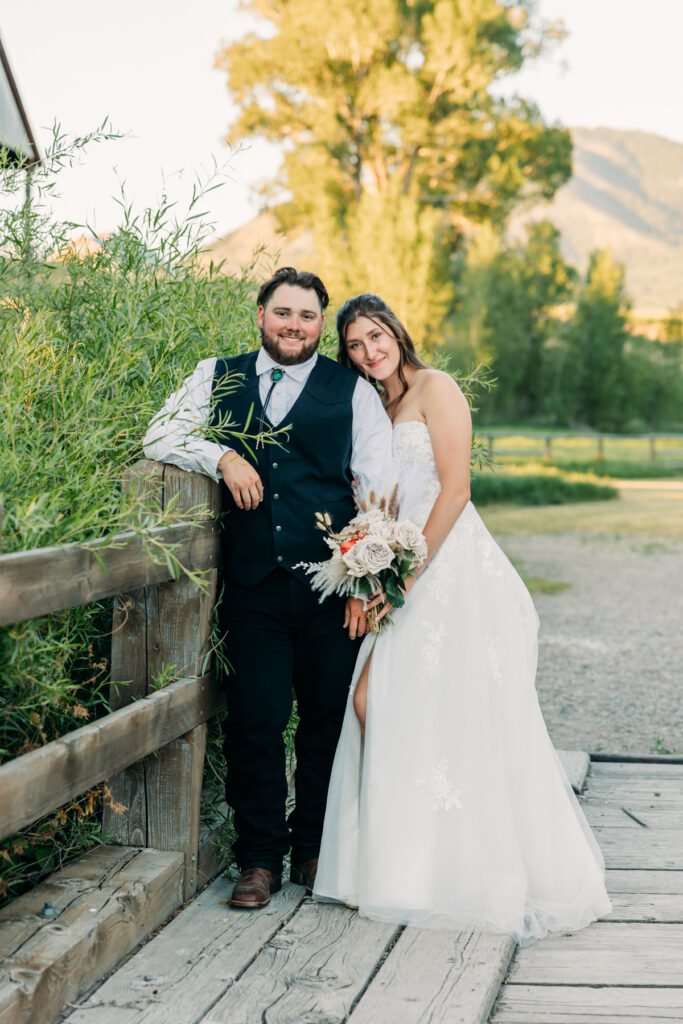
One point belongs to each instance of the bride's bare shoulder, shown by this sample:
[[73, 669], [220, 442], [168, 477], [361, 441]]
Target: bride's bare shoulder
[[437, 384]]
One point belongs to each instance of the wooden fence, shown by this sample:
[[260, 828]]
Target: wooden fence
[[653, 445], [159, 621]]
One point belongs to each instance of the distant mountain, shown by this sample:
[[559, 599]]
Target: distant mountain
[[260, 242], [626, 193]]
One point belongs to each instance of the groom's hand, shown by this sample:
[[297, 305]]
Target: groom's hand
[[241, 479], [355, 617]]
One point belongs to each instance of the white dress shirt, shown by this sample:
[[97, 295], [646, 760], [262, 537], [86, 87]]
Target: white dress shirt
[[176, 433]]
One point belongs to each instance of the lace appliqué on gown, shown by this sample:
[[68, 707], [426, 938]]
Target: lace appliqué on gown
[[440, 789], [430, 653]]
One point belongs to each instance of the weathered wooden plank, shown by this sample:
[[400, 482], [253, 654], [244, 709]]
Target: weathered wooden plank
[[576, 764], [185, 969], [645, 790], [545, 1004], [179, 635], [174, 786], [437, 977], [313, 969], [652, 814], [660, 848], [36, 783], [144, 482], [605, 953], [639, 769], [97, 922], [45, 580], [21, 918], [129, 682], [645, 881], [662, 907]]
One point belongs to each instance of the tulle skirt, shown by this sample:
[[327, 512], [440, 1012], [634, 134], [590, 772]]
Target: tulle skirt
[[455, 809]]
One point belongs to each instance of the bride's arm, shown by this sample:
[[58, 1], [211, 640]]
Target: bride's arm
[[448, 418]]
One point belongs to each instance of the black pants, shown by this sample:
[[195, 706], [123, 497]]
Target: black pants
[[279, 639]]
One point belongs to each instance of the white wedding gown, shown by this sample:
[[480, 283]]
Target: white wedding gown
[[455, 809]]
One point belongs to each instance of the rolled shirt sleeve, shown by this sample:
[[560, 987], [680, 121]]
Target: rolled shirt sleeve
[[371, 459], [176, 433]]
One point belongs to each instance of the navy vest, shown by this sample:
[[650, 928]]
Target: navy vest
[[310, 472]]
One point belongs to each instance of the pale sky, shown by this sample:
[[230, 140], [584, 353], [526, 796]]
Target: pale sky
[[148, 65]]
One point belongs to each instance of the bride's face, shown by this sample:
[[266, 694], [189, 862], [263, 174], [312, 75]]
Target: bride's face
[[372, 347]]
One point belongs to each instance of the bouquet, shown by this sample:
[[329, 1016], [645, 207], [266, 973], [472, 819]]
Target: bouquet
[[374, 552]]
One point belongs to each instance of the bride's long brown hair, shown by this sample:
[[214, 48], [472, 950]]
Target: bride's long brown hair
[[376, 309]]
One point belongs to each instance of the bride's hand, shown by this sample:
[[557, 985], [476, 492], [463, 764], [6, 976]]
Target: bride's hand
[[380, 598], [374, 599]]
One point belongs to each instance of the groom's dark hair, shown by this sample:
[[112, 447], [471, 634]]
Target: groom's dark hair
[[300, 278]]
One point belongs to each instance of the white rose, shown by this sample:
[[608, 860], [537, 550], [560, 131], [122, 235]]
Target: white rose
[[373, 522], [420, 552], [366, 520], [408, 535], [369, 555]]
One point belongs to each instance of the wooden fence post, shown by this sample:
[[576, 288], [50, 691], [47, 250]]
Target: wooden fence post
[[547, 449], [601, 448], [653, 450], [157, 629]]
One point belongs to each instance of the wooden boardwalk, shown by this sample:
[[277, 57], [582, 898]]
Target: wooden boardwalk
[[298, 962]]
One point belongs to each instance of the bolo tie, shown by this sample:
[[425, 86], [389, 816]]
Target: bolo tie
[[275, 376]]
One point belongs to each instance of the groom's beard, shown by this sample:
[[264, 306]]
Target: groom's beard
[[271, 343]]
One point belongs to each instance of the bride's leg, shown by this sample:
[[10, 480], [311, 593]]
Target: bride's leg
[[360, 695]]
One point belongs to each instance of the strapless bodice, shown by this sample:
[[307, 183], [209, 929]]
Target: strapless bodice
[[419, 483]]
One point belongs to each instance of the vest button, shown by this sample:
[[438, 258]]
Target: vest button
[[278, 528], [275, 465], [279, 558], [276, 497]]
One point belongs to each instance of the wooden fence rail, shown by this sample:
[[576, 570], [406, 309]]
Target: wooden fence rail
[[33, 785], [46, 580], [664, 455], [161, 627]]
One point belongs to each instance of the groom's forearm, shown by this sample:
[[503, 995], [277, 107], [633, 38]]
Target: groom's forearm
[[176, 433]]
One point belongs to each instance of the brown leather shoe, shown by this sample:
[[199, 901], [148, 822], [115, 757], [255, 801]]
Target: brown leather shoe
[[304, 874], [254, 888]]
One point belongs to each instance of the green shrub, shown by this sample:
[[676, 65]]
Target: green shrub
[[622, 470], [550, 487]]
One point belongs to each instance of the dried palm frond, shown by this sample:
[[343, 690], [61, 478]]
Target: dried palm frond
[[392, 511]]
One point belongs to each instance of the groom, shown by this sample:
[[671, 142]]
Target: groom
[[279, 638]]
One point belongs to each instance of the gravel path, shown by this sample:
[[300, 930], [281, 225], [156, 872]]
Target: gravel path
[[610, 675]]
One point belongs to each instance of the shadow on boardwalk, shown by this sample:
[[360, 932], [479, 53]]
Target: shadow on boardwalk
[[298, 961]]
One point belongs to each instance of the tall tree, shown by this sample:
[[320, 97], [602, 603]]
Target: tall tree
[[394, 139], [507, 315], [597, 370]]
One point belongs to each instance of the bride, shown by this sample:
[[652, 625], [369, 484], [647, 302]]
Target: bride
[[448, 805]]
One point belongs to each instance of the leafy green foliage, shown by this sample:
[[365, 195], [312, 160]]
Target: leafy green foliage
[[550, 487], [393, 138], [561, 348], [509, 295], [597, 339]]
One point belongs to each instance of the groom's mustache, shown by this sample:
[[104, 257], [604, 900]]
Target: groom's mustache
[[271, 344]]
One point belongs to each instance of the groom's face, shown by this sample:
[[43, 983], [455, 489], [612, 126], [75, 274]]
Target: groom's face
[[291, 324]]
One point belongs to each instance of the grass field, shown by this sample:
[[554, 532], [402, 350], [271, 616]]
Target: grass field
[[647, 509]]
